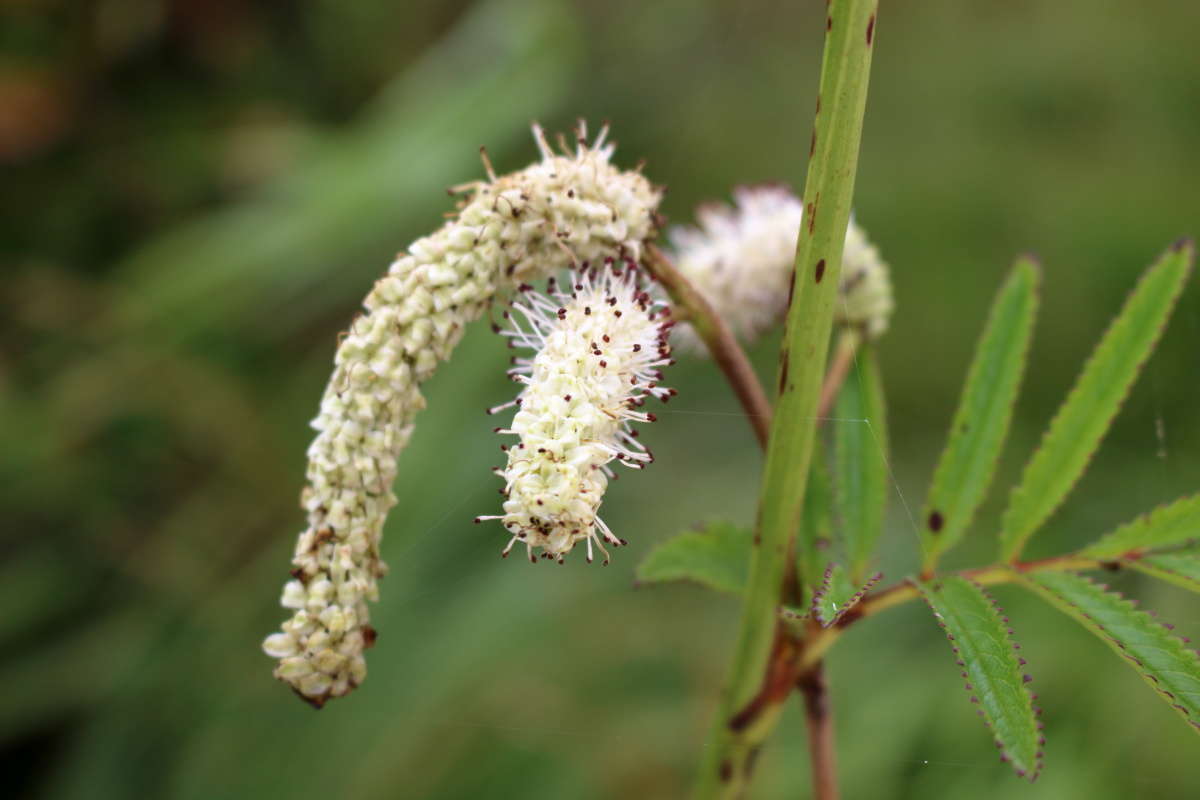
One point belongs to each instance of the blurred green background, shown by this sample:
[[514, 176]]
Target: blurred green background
[[197, 194]]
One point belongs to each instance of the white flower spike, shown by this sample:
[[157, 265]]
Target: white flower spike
[[740, 258], [600, 343], [560, 211]]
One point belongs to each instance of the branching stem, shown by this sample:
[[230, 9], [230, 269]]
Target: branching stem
[[719, 339], [765, 652], [817, 645]]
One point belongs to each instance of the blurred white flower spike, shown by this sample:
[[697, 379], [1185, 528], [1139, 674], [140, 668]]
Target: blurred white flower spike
[[600, 343], [740, 258], [865, 290], [561, 211]]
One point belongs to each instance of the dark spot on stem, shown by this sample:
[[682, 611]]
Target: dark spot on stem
[[828, 24], [811, 213], [791, 286], [726, 771], [752, 757], [783, 369], [1181, 244], [935, 521], [870, 30], [812, 146], [820, 271]]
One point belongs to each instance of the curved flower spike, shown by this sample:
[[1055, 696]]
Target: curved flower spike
[[740, 258], [560, 211], [599, 343]]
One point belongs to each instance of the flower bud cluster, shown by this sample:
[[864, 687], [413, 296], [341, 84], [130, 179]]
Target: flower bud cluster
[[600, 342], [560, 211], [740, 258]]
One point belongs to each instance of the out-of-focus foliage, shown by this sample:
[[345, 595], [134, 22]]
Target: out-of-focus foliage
[[197, 194]]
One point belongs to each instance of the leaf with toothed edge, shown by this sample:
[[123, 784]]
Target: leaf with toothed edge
[[991, 667], [1090, 407], [718, 557], [860, 462], [981, 423], [1158, 655], [1179, 569], [1166, 526], [836, 595]]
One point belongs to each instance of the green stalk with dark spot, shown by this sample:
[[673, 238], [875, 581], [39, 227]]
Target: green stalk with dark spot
[[752, 700]]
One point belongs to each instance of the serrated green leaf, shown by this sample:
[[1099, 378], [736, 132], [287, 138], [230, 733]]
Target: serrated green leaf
[[717, 557], [980, 425], [1166, 526], [860, 462], [837, 594], [815, 541], [991, 667], [1084, 417], [1158, 656], [1181, 570], [832, 594]]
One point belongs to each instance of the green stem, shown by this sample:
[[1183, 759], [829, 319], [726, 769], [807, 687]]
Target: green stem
[[897, 594], [751, 700]]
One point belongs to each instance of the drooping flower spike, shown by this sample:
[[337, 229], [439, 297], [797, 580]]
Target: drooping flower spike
[[600, 342], [740, 258], [562, 210]]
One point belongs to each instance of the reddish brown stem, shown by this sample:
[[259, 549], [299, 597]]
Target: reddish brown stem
[[818, 718], [722, 345]]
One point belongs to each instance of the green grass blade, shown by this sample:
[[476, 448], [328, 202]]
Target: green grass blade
[[1158, 655], [980, 425], [1169, 525], [1084, 417], [979, 635], [1181, 570], [717, 557], [837, 594], [860, 462]]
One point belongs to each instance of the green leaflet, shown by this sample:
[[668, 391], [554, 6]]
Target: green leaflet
[[1169, 525], [1181, 570], [814, 543], [1159, 656], [980, 425], [1084, 417], [860, 462], [991, 667], [836, 594], [717, 557]]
